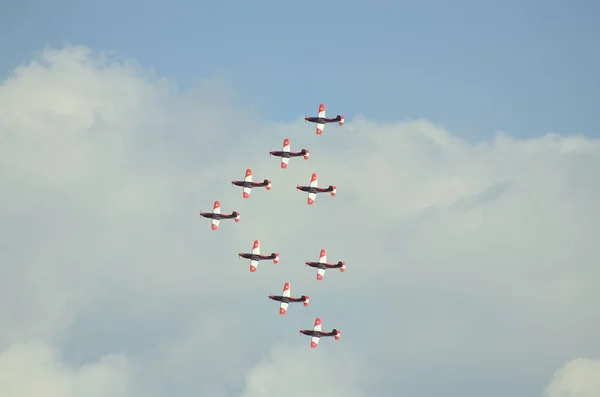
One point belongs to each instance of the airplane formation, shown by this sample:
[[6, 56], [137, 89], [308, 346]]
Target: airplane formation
[[312, 189]]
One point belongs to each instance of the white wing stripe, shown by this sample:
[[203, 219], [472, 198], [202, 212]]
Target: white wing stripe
[[321, 272], [317, 327], [322, 114]]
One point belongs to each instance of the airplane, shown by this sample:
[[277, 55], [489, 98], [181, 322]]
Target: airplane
[[216, 215], [314, 188], [316, 333], [285, 153], [286, 299], [255, 256], [321, 120], [322, 265], [247, 184]]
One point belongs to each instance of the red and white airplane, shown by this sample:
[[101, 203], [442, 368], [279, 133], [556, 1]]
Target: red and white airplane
[[247, 184], [321, 120], [286, 299], [314, 188], [216, 215], [285, 153], [255, 256], [317, 334], [322, 265]]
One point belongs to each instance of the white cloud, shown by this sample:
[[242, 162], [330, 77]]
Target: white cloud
[[460, 257], [34, 370], [297, 372], [577, 378]]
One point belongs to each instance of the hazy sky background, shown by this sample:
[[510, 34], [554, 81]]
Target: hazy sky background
[[471, 256]]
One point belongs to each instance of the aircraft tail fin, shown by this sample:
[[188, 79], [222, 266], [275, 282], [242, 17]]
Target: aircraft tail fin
[[338, 334]]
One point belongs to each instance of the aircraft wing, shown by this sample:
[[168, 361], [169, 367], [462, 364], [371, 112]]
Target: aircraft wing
[[320, 274], [256, 248], [321, 113], [246, 191], [317, 326], [287, 290], [322, 259], [314, 342], [253, 266], [323, 256], [314, 182], [216, 210], [283, 308], [320, 128], [286, 149]]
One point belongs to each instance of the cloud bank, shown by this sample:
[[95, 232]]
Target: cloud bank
[[471, 267], [577, 378]]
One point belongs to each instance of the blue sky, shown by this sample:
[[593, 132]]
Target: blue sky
[[524, 67]]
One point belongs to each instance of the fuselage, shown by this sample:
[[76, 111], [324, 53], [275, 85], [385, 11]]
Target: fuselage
[[316, 333], [311, 189], [286, 299], [248, 184], [212, 215], [322, 120], [280, 298], [286, 154], [256, 257], [317, 265], [320, 265]]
